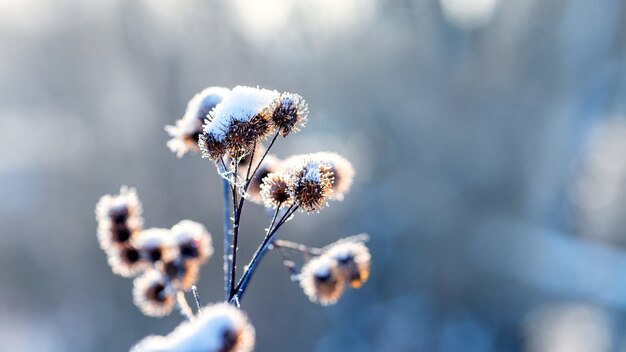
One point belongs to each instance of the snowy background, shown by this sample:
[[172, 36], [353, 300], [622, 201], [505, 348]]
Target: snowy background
[[489, 139]]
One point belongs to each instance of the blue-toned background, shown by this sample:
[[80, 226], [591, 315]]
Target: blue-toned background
[[489, 139]]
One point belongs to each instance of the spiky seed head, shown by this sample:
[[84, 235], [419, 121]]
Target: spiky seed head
[[342, 169], [119, 218], [311, 182], [240, 120], [182, 273], [153, 294], [290, 113], [275, 190], [192, 241], [153, 243], [353, 261], [186, 131], [126, 261], [269, 165], [211, 146], [321, 281]]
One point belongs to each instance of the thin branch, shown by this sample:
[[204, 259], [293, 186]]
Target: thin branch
[[196, 298], [298, 247], [183, 305], [245, 188], [258, 255], [236, 216], [250, 163], [227, 235], [289, 264], [237, 209]]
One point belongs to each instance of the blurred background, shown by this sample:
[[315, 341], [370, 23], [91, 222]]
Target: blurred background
[[489, 139]]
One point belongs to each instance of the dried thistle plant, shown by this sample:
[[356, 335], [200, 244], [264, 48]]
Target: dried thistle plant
[[229, 127]]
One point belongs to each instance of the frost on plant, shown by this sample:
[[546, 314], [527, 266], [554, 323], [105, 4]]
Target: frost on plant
[[235, 129]]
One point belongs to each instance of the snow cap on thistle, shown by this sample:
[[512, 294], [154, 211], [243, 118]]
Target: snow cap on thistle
[[186, 131], [153, 295], [119, 218], [217, 328], [320, 280], [240, 120], [289, 113]]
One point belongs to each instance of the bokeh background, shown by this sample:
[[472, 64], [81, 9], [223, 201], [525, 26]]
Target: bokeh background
[[489, 139]]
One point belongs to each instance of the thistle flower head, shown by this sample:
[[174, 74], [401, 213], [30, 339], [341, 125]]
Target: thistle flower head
[[310, 182], [275, 190], [321, 281], [218, 328], [353, 261], [233, 126], [119, 218], [186, 131], [182, 273], [153, 295], [192, 240], [342, 169], [153, 243], [270, 164], [289, 113], [126, 261]]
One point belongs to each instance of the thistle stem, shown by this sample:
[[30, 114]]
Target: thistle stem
[[259, 254], [183, 305], [196, 298], [298, 247], [236, 212], [227, 236]]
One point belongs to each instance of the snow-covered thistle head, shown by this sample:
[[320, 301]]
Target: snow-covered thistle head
[[343, 172], [192, 240], [240, 120], [119, 218], [275, 190], [310, 183], [321, 281], [289, 113], [186, 131], [153, 295], [218, 328], [353, 261]]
